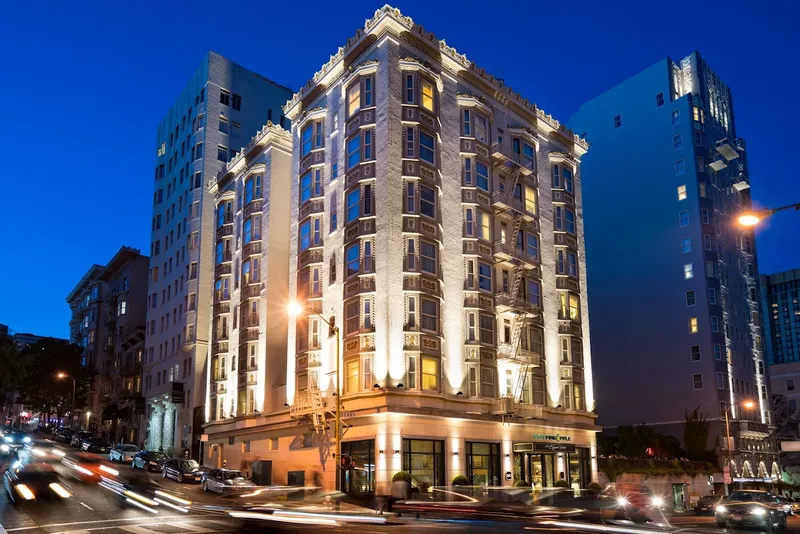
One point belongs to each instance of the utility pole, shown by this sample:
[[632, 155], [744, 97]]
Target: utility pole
[[730, 450]]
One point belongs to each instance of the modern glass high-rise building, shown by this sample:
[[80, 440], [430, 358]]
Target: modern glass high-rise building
[[779, 298], [674, 298], [218, 111]]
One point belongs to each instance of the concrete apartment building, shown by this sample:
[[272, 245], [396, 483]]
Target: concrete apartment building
[[108, 316], [217, 112], [679, 326], [436, 218], [124, 315]]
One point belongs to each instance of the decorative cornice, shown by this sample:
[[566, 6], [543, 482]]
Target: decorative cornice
[[270, 134], [502, 91]]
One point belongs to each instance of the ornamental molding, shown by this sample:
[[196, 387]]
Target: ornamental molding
[[269, 135], [395, 18]]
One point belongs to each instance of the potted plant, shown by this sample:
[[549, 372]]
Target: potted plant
[[595, 488], [561, 484], [461, 480], [401, 483]]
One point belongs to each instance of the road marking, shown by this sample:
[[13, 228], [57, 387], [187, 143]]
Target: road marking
[[190, 527], [87, 506], [95, 522]]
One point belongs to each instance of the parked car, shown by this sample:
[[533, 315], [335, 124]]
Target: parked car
[[706, 505], [123, 453], [95, 444], [35, 482], [182, 470], [64, 435], [751, 508], [149, 460], [225, 481], [77, 437]]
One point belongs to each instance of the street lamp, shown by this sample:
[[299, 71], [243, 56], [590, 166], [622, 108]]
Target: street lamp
[[72, 412], [295, 308], [752, 218]]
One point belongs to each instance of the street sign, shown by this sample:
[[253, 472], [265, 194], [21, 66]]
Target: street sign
[[346, 414]]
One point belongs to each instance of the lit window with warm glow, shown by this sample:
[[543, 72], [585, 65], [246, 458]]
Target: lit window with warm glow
[[427, 95], [353, 98], [430, 374], [351, 377], [693, 325], [681, 192]]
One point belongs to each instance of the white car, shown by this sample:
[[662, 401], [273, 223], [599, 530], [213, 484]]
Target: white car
[[123, 453], [225, 481]]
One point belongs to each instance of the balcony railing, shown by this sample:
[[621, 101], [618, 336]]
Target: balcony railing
[[506, 200], [506, 251], [522, 355], [508, 406], [501, 153], [505, 302]]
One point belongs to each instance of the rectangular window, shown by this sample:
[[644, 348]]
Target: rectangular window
[[223, 125], [484, 225], [720, 380], [683, 218], [677, 142], [712, 296], [429, 317], [351, 377], [681, 192], [467, 171], [224, 98], [353, 152], [409, 142], [412, 373], [367, 315], [703, 191], [411, 255], [353, 99], [409, 89], [197, 151], [482, 175], [222, 153], [352, 201], [469, 222], [426, 147], [332, 209], [369, 81], [698, 138], [714, 323], [717, 352], [690, 298], [353, 260], [427, 94], [686, 245], [367, 145], [481, 128], [487, 382], [306, 138], [411, 307], [352, 316], [693, 325], [465, 125], [367, 256], [617, 121], [659, 100], [485, 277], [680, 167], [697, 379], [532, 249], [430, 374], [707, 242], [790, 385], [705, 216], [366, 200], [428, 257], [427, 204], [695, 352], [676, 117]]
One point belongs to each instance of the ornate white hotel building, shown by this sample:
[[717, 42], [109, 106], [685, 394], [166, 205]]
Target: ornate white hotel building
[[436, 215]]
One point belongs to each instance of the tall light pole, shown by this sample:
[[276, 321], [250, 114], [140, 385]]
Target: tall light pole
[[752, 218], [72, 412], [296, 309], [747, 404]]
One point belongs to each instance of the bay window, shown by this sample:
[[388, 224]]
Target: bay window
[[482, 175], [352, 200], [305, 187], [353, 98], [306, 139], [352, 316], [411, 203], [305, 235], [252, 189], [411, 255], [487, 382], [369, 83], [351, 377], [428, 257], [481, 128], [426, 147], [429, 319], [565, 219], [469, 222], [430, 374], [409, 89], [484, 225], [465, 123], [485, 277], [427, 94], [427, 204], [352, 260], [353, 152], [487, 329]]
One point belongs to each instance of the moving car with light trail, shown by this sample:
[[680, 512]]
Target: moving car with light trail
[[225, 481], [78, 437], [35, 482], [123, 453], [182, 470], [149, 461], [706, 505], [751, 508]]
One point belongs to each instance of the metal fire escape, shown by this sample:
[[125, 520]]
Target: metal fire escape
[[512, 203]]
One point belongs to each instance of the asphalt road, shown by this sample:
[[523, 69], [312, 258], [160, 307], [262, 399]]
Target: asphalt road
[[94, 509]]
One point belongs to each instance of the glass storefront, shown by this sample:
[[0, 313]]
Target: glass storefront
[[541, 468], [483, 463], [424, 460], [359, 479]]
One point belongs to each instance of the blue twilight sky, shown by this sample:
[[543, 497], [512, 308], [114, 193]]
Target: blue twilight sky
[[83, 85]]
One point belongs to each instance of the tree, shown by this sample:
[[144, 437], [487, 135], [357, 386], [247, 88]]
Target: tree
[[695, 434], [11, 364], [41, 387]]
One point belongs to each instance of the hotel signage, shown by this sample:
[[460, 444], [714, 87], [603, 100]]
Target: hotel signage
[[553, 447], [551, 437]]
